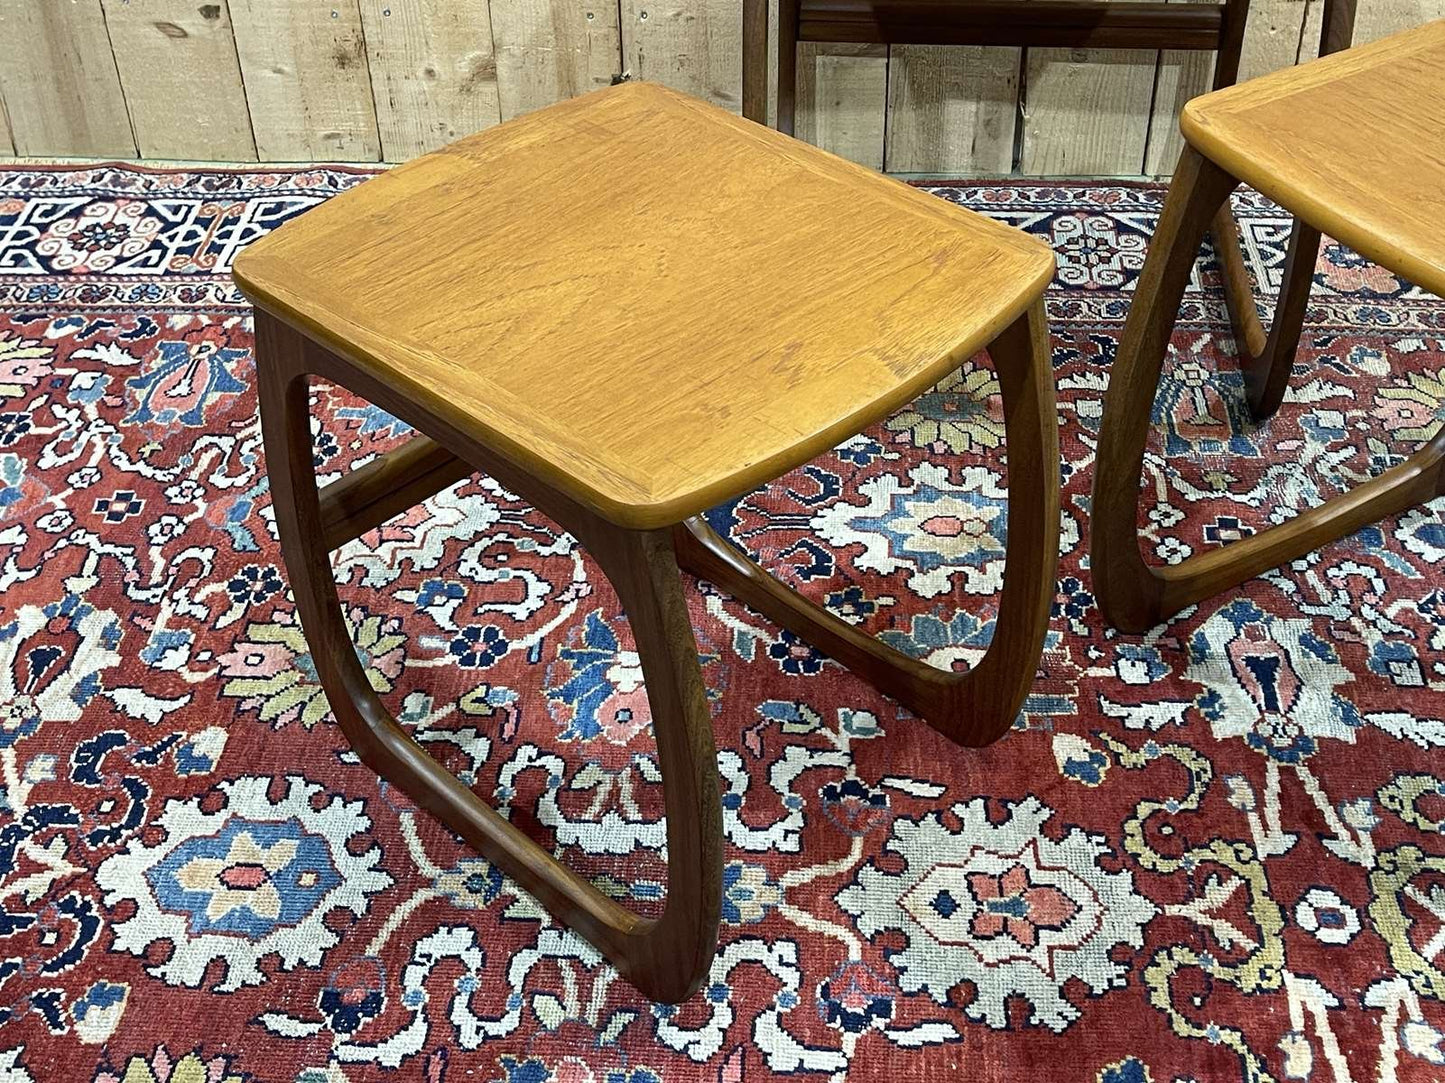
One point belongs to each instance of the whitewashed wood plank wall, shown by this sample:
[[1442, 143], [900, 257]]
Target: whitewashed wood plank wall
[[384, 80]]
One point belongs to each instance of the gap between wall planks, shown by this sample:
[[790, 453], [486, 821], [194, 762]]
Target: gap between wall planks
[[1374, 19], [1086, 112], [952, 109], [842, 100], [368, 80], [7, 141], [59, 80], [307, 80], [433, 72], [553, 49], [690, 45], [162, 48]]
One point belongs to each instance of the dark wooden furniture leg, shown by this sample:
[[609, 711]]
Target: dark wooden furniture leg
[[667, 957], [755, 60], [1267, 359], [976, 707], [1134, 595]]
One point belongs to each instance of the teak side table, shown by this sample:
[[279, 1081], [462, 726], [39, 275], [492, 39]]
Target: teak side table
[[1352, 144], [627, 308]]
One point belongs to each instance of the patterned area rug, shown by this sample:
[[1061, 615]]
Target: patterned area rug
[[1210, 853]]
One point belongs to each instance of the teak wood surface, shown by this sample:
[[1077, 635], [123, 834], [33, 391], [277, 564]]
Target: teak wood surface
[[644, 300], [1352, 145], [625, 309]]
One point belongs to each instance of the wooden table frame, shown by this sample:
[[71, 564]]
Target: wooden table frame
[[1134, 595], [667, 958]]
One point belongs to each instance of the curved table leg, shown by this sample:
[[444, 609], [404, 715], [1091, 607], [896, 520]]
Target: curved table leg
[[1133, 595], [976, 707], [1129, 591], [667, 957], [1266, 360]]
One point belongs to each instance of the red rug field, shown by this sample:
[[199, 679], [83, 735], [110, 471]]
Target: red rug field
[[1210, 853]]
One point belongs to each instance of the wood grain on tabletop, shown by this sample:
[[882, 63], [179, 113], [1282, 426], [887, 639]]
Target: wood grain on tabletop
[[664, 304]]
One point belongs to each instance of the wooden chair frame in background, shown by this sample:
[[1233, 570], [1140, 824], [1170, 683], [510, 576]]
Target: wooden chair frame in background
[[1071, 24], [1066, 24]]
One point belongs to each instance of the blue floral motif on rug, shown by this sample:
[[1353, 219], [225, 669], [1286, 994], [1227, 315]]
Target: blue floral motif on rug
[[1209, 853]]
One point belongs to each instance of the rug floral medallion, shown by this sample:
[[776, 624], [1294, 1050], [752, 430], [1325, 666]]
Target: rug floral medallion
[[1209, 853]]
